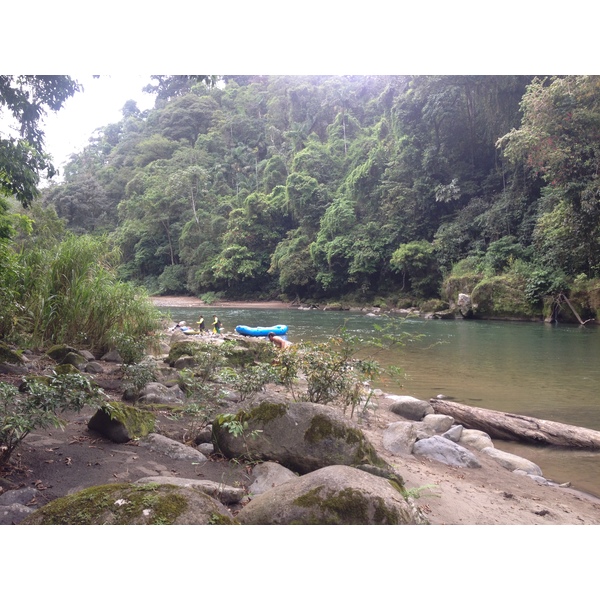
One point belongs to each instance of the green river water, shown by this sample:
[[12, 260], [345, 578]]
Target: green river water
[[537, 369]]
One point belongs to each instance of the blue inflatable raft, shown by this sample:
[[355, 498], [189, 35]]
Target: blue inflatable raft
[[261, 331]]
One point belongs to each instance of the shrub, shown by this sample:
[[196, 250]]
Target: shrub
[[38, 407]]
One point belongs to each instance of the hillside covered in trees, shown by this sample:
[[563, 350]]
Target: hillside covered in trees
[[381, 189]]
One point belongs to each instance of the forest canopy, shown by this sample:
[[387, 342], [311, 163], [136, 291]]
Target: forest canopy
[[347, 187]]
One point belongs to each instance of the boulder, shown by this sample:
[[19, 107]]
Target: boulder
[[226, 494], [157, 393], [476, 439], [301, 436], [13, 514], [112, 356], [121, 423], [59, 351], [8, 355], [439, 424], [75, 359], [133, 504], [172, 448], [410, 408], [454, 433], [66, 369], [445, 451], [268, 475], [464, 305], [400, 437], [512, 462], [335, 495]]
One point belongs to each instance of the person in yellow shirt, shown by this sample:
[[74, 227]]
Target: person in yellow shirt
[[217, 325], [201, 326]]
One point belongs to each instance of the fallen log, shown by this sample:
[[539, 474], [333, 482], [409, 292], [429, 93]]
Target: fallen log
[[519, 428]]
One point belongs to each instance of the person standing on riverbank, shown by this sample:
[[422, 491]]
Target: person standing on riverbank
[[201, 326], [217, 325], [279, 341]]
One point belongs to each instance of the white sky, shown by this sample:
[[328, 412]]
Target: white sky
[[316, 37], [69, 130]]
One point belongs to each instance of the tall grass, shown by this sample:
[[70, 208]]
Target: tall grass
[[73, 296]]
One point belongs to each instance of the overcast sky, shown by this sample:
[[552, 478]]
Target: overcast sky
[[69, 130], [316, 37]]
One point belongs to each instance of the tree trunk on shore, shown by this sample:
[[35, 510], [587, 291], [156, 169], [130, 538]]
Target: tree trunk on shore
[[520, 428]]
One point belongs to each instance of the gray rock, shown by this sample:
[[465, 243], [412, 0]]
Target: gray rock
[[400, 437], [438, 423], [512, 462], [13, 514], [204, 436], [454, 433], [335, 495], [157, 393], [112, 356], [172, 448], [268, 475], [536, 478], [226, 494], [445, 451], [476, 439], [20, 496], [94, 368], [206, 449], [10, 369], [185, 362], [409, 407]]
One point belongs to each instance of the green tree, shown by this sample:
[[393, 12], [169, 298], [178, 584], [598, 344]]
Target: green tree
[[24, 101]]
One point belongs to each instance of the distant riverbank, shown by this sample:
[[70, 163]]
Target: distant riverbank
[[191, 302]]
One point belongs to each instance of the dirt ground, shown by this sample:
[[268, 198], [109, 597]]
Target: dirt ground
[[59, 462]]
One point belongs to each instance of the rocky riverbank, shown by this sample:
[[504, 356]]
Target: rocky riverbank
[[471, 484]]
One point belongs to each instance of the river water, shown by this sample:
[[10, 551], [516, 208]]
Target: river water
[[542, 370]]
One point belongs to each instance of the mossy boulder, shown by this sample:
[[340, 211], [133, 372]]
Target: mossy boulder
[[66, 369], [335, 495], [133, 504], [503, 297], [58, 352], [75, 359], [8, 355], [121, 423], [299, 435], [179, 349]]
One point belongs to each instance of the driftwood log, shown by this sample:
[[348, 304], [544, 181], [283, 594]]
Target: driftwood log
[[507, 426]]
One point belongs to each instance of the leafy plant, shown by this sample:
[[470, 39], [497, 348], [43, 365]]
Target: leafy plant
[[248, 381], [137, 375], [39, 407]]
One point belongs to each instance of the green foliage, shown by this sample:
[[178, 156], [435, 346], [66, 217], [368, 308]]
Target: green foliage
[[39, 407], [73, 296], [307, 186], [137, 375], [27, 98], [417, 262], [249, 381]]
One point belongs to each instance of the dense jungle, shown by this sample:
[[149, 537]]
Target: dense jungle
[[390, 190]]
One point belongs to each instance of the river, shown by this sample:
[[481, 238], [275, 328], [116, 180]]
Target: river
[[542, 370]]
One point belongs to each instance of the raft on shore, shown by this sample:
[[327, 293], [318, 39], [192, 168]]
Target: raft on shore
[[261, 331]]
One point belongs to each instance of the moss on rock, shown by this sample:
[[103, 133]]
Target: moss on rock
[[8, 355], [131, 504]]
